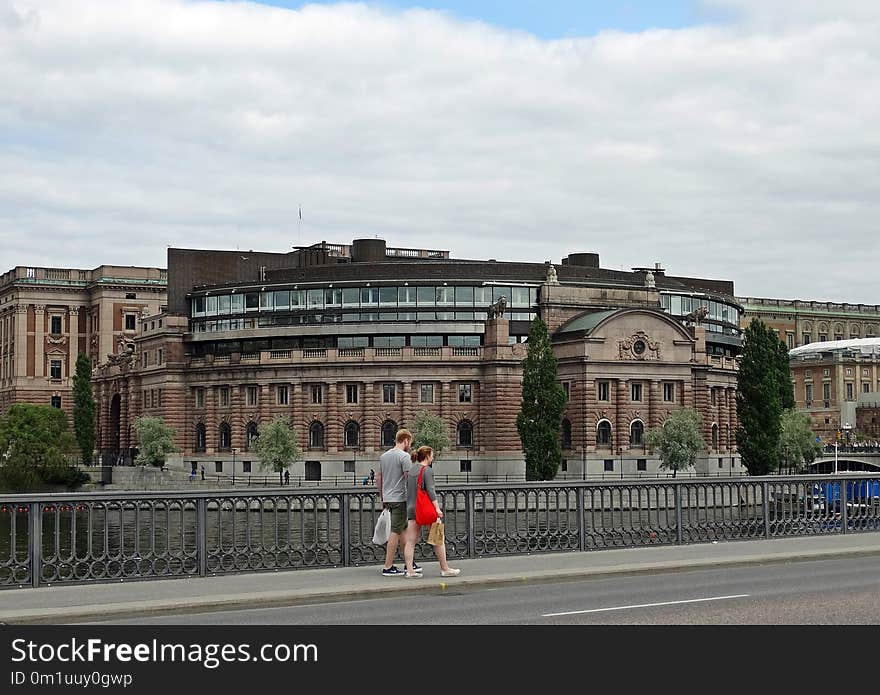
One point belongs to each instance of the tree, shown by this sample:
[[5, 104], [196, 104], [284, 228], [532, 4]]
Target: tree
[[543, 401], [84, 408], [759, 400], [155, 440], [34, 448], [678, 440], [783, 373], [429, 430], [797, 442], [276, 446]]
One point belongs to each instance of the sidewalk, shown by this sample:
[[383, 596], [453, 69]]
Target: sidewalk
[[64, 604]]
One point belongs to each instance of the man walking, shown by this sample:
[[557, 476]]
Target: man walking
[[394, 465]]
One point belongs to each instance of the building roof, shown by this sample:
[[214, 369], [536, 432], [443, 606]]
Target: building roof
[[863, 345], [586, 322]]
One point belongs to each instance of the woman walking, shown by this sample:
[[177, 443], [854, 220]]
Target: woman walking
[[421, 474]]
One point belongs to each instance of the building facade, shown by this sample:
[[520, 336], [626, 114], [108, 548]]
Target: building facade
[[799, 323], [50, 315], [838, 384], [349, 342]]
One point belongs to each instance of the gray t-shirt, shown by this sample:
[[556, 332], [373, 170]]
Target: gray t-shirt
[[393, 465]]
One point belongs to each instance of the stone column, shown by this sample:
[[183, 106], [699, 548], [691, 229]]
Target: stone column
[[621, 399], [19, 330], [369, 438], [39, 341], [653, 419], [333, 429]]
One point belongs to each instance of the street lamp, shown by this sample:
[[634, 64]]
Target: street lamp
[[467, 470], [354, 455], [233, 467]]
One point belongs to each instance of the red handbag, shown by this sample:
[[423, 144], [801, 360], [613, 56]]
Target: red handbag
[[426, 513]]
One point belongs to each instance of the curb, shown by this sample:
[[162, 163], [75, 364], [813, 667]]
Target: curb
[[273, 599]]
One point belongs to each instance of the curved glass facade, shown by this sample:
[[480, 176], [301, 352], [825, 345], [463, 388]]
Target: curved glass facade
[[722, 320]]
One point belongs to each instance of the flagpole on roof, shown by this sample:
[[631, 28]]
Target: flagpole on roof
[[300, 225]]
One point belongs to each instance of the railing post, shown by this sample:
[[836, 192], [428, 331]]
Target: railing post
[[35, 542], [579, 493], [844, 513], [677, 493], [202, 535], [765, 506], [345, 531], [469, 523]]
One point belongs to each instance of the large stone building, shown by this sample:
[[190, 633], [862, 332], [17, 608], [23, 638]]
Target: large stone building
[[838, 384], [799, 323], [50, 315], [350, 342]]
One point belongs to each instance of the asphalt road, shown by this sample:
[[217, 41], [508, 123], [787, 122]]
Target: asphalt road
[[843, 591]]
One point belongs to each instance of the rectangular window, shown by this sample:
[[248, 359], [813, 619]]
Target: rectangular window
[[823, 337], [56, 401], [566, 386], [317, 393], [464, 296], [224, 396], [826, 392], [161, 354], [245, 466], [200, 398], [464, 393], [218, 466], [348, 466], [714, 393], [389, 393], [283, 394], [351, 393], [849, 391], [55, 369], [609, 465], [130, 322], [636, 393], [641, 464], [721, 463], [604, 391], [426, 393], [806, 339], [425, 296], [251, 395], [866, 387], [808, 393], [465, 466], [55, 325], [668, 393]]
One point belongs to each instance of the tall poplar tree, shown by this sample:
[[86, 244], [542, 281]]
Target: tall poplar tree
[[783, 370], [759, 400], [84, 408], [543, 401]]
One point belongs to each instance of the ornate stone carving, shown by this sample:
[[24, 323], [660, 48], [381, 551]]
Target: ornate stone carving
[[551, 275], [697, 315], [639, 346], [649, 279], [60, 340], [496, 310]]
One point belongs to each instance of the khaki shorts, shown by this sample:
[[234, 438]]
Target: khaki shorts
[[398, 516]]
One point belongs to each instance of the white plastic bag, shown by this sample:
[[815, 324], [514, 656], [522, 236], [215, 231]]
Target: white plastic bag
[[382, 532]]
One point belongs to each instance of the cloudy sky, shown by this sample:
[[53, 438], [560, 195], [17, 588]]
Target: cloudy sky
[[735, 139]]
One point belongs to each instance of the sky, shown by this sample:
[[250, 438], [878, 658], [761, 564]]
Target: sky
[[729, 139]]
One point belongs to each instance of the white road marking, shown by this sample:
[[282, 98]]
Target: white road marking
[[645, 605]]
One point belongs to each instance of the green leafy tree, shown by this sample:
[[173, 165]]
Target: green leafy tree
[[759, 400], [276, 446], [678, 440], [429, 430], [84, 407], [35, 446], [543, 401], [797, 442], [783, 373], [155, 441]]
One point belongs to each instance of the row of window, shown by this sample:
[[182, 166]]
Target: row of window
[[681, 306], [849, 389], [362, 297], [351, 435], [353, 394], [604, 433], [219, 325]]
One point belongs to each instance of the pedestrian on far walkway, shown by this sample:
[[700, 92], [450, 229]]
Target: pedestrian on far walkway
[[203, 472], [286, 477], [372, 476]]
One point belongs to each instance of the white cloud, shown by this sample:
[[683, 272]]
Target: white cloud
[[748, 151]]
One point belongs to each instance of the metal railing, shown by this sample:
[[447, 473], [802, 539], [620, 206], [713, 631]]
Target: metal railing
[[97, 537]]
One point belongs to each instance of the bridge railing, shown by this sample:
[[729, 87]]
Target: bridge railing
[[113, 536]]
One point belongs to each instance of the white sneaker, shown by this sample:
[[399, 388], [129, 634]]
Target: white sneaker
[[450, 573]]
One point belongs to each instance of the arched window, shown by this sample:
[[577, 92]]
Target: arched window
[[250, 435], [714, 436], [316, 435], [465, 433], [224, 433], [389, 433], [637, 433], [351, 435], [200, 437], [566, 433], [603, 433]]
